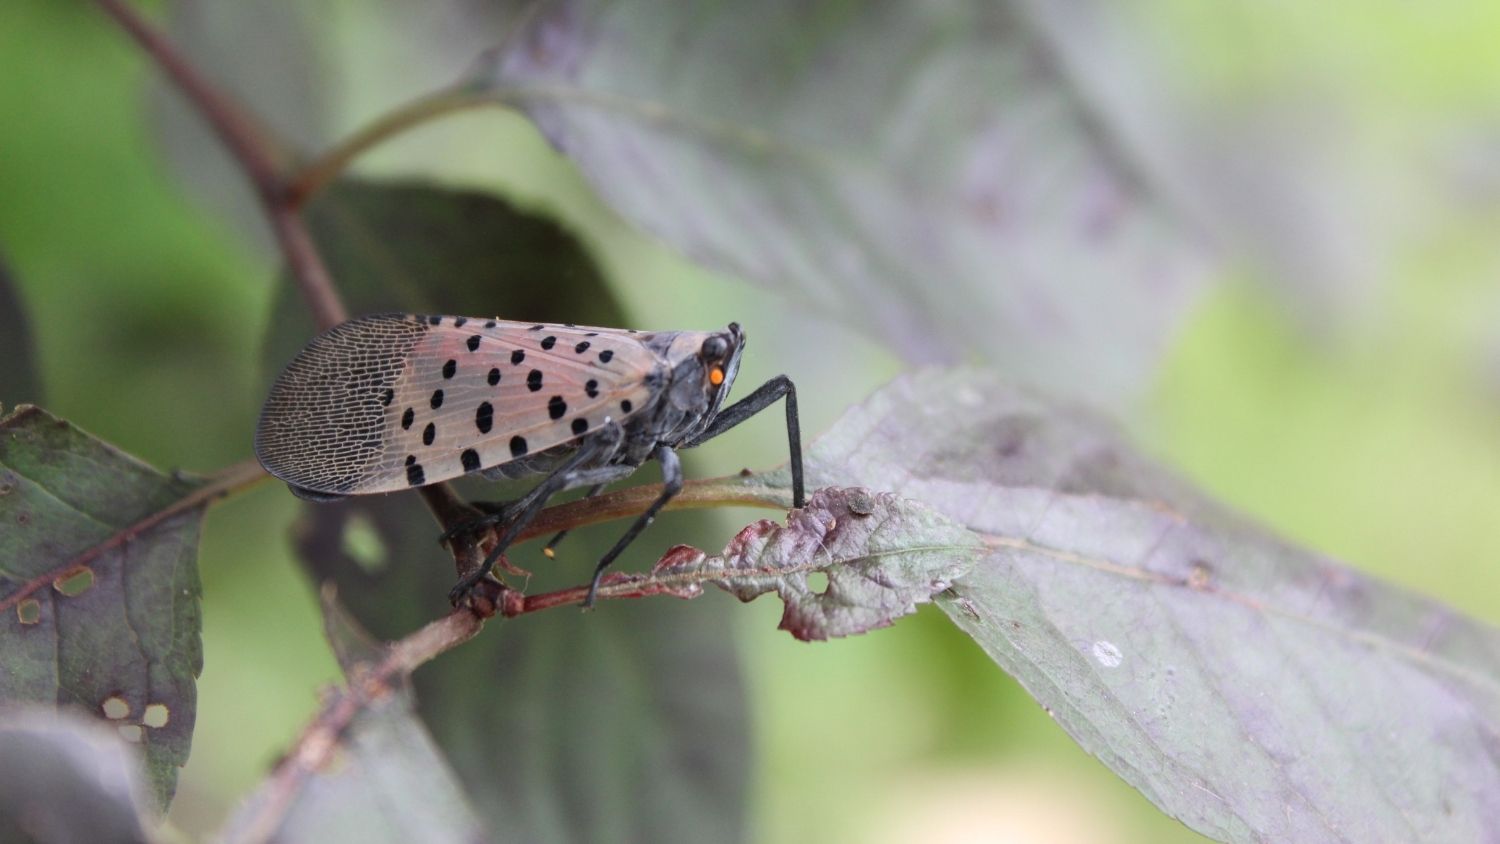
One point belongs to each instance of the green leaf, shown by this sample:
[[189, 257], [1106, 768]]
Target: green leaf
[[18, 377], [99, 586], [624, 724], [924, 170], [386, 782], [66, 780], [881, 556], [1252, 689]]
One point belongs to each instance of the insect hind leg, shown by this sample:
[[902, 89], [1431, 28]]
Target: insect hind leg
[[575, 471]]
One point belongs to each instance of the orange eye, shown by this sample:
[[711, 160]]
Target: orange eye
[[716, 376]]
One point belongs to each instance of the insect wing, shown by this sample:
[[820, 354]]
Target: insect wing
[[388, 402]]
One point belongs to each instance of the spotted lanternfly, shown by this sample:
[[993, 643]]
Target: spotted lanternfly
[[393, 401]]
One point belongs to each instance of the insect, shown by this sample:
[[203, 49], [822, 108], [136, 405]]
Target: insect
[[393, 401]]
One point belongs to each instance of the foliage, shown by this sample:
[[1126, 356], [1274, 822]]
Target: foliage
[[955, 180]]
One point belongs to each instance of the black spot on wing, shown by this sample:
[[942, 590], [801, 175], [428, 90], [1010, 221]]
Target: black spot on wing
[[407, 418], [626, 406], [556, 407], [484, 417], [450, 368], [592, 388], [458, 322], [472, 342], [437, 399], [582, 347], [580, 426], [517, 446], [414, 475], [548, 342], [429, 433], [470, 459], [494, 376], [534, 380], [517, 356], [606, 356]]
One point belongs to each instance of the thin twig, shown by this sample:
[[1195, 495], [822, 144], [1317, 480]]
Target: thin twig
[[237, 477], [320, 739], [317, 174], [696, 494], [251, 148]]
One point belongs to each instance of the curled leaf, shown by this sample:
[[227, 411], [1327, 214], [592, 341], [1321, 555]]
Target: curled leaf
[[882, 556]]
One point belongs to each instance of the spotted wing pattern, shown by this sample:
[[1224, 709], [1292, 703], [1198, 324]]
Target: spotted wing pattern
[[392, 401]]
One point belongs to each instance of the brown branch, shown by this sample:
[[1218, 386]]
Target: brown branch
[[230, 480], [728, 491], [317, 174], [320, 739], [252, 150]]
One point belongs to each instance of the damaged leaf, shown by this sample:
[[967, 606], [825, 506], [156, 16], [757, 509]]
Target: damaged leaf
[[1252, 689], [882, 557], [99, 594]]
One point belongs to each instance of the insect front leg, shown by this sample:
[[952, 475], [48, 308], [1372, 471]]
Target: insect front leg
[[671, 475], [759, 400], [574, 471]]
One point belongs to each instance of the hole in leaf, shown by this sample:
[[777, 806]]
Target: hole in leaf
[[115, 708], [132, 733], [74, 583], [363, 544], [29, 611], [156, 716], [817, 582]]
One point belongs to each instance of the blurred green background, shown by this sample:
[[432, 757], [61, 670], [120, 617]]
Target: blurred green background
[[1374, 437]]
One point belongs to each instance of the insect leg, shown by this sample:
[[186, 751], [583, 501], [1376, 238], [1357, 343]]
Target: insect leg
[[754, 403], [525, 508], [671, 475], [552, 543]]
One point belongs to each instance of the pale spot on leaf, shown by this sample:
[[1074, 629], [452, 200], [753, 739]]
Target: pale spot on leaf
[[156, 716], [115, 708], [74, 583], [132, 733], [29, 611], [1108, 655]]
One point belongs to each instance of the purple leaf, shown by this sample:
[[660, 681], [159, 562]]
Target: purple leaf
[[925, 171], [1252, 689]]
